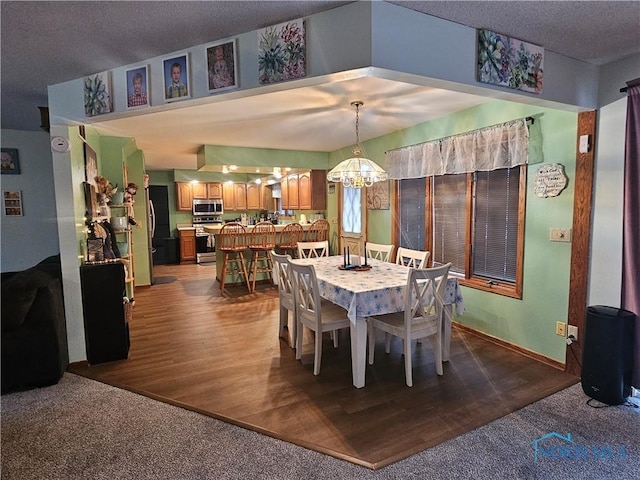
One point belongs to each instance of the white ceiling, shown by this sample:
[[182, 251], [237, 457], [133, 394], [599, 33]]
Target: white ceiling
[[45, 43]]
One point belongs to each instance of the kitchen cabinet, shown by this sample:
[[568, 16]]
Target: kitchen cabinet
[[254, 196], [305, 191], [198, 190], [184, 196], [105, 322], [214, 190], [266, 199], [312, 190], [234, 196], [188, 245]]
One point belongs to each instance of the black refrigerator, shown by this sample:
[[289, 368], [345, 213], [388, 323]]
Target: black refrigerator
[[163, 248]]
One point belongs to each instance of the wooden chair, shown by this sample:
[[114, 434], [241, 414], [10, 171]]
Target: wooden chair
[[232, 241], [313, 313], [289, 237], [380, 252], [285, 294], [412, 258], [262, 240], [422, 316], [318, 231], [313, 249]]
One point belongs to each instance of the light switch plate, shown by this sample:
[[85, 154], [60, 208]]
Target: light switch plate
[[560, 234]]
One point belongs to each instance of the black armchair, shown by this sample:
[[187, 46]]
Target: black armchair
[[34, 336]]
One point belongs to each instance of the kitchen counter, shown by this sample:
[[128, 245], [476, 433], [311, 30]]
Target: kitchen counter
[[216, 228]]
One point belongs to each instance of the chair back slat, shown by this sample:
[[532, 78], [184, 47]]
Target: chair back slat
[[263, 236], [412, 258], [380, 252], [318, 231], [307, 297], [313, 249], [424, 297], [232, 237], [284, 281], [291, 234]]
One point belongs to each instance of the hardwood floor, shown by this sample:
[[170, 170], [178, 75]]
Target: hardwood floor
[[221, 356]]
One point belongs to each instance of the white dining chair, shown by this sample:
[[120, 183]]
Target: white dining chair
[[421, 318], [412, 258], [380, 252], [286, 295], [313, 313], [313, 249]]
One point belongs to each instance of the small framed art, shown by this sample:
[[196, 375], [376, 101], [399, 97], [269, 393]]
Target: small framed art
[[222, 66], [176, 78], [138, 87], [10, 163], [282, 52], [12, 203], [97, 94]]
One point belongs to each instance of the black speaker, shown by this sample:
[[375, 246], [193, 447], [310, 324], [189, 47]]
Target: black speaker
[[607, 354]]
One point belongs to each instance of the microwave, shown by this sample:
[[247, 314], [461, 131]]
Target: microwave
[[203, 206]]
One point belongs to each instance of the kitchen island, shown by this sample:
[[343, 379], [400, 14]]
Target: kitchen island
[[215, 229]]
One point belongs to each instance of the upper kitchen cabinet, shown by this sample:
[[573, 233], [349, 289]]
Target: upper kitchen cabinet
[[184, 196], [259, 197], [305, 191], [214, 190], [199, 190], [234, 196]]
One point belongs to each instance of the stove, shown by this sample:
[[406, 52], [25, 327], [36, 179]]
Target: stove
[[205, 242]]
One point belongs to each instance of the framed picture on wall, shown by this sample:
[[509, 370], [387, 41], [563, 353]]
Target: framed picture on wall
[[90, 165], [97, 94], [282, 52], [222, 66], [138, 87], [176, 78], [12, 203], [10, 161]]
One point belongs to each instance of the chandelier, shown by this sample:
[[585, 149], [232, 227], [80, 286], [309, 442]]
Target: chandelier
[[357, 172]]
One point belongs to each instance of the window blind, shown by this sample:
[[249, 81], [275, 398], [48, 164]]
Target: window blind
[[412, 214], [449, 219]]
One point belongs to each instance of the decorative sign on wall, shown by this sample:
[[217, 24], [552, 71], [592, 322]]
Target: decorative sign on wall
[[378, 196], [509, 62], [550, 180]]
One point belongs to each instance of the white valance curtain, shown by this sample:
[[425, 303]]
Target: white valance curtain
[[499, 146]]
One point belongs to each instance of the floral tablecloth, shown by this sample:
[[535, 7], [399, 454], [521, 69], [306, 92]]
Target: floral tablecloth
[[372, 292]]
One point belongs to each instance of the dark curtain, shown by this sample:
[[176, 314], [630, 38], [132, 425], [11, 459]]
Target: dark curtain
[[631, 219]]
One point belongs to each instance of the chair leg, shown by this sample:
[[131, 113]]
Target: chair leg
[[407, 362], [223, 272], [299, 334], [244, 270], [253, 268], [334, 336], [317, 357], [437, 348], [294, 330], [371, 333], [387, 342], [284, 320]]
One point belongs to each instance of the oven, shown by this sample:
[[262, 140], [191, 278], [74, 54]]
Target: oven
[[207, 207], [205, 241]]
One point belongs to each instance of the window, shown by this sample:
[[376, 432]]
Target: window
[[473, 220], [352, 210]]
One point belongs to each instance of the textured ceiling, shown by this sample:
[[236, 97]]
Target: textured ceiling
[[44, 43]]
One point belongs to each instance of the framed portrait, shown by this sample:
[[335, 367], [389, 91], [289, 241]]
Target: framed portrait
[[176, 78], [12, 203], [9, 161], [138, 87], [97, 94], [90, 165], [282, 52], [222, 66]]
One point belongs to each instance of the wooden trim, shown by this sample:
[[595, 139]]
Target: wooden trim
[[581, 236], [395, 213], [514, 348]]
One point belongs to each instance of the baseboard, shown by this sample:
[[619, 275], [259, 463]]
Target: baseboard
[[514, 348]]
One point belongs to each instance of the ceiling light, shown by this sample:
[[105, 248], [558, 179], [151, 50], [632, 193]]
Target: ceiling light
[[276, 172], [258, 181], [357, 172], [233, 167], [225, 169]]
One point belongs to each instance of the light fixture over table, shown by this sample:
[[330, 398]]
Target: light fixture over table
[[357, 172]]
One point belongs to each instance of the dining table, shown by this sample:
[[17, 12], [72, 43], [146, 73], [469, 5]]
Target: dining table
[[374, 291]]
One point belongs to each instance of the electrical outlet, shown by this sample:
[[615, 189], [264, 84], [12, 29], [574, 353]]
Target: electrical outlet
[[572, 330], [561, 329], [560, 234]]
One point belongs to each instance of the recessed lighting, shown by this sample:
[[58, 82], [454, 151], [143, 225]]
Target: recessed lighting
[[225, 169], [233, 167], [258, 181], [194, 181]]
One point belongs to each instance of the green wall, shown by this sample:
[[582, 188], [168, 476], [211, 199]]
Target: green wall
[[530, 322]]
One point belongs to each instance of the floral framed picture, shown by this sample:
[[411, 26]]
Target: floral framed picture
[[12, 203], [97, 94], [222, 66], [282, 52], [138, 87], [176, 78], [9, 161], [509, 62]]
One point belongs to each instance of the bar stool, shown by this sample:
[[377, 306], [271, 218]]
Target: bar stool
[[262, 240], [289, 237], [318, 231], [232, 241]]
